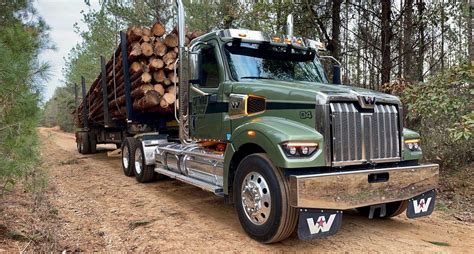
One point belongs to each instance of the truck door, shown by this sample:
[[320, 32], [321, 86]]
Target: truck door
[[207, 111]]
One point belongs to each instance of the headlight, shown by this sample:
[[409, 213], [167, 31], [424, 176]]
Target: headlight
[[299, 149], [412, 144]]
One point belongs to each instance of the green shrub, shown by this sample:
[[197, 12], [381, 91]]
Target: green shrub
[[441, 109]]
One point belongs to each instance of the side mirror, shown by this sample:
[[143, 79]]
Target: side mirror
[[195, 60], [336, 74]]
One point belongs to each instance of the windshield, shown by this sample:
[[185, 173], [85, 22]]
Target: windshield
[[265, 61]]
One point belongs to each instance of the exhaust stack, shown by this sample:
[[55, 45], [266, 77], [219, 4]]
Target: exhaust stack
[[183, 82], [289, 25]]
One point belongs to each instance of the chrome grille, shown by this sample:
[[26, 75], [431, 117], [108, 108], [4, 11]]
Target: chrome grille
[[364, 136]]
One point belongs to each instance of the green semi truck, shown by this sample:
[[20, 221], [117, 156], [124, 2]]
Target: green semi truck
[[260, 125]]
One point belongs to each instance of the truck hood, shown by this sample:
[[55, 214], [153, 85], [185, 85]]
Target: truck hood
[[307, 92]]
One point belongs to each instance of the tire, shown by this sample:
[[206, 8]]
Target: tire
[[273, 219], [143, 173], [78, 143], [92, 142], [391, 209], [128, 147], [85, 143]]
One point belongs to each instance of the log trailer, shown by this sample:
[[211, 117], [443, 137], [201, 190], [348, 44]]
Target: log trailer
[[259, 124]]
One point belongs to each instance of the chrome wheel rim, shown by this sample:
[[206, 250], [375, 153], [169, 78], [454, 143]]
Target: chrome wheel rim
[[138, 161], [256, 198], [125, 156]]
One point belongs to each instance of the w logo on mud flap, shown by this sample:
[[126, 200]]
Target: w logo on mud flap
[[317, 223], [321, 225], [422, 205]]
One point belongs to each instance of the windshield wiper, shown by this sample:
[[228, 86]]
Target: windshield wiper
[[255, 77]]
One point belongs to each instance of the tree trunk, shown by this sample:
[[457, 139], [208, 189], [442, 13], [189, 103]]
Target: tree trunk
[[421, 32], [470, 27], [408, 41], [336, 28], [386, 39]]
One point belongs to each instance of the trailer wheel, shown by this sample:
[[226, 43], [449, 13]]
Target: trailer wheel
[[391, 209], [128, 148], [262, 200], [143, 173], [85, 145], [78, 144], [92, 142]]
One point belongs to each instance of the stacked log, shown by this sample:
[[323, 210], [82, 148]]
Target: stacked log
[[152, 58]]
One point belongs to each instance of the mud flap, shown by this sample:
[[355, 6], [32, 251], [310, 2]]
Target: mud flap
[[317, 223], [421, 205]]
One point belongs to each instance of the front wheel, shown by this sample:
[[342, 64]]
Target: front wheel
[[261, 196]]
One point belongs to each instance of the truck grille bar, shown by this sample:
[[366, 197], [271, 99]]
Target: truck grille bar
[[361, 136]]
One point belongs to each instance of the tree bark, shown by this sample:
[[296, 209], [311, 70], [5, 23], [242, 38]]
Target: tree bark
[[408, 41], [386, 35]]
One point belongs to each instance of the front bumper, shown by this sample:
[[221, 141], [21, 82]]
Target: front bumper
[[351, 189]]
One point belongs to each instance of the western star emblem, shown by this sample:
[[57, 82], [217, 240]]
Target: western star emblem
[[321, 225], [421, 206], [366, 101]]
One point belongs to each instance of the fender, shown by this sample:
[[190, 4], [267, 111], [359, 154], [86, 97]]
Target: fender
[[270, 132], [407, 154]]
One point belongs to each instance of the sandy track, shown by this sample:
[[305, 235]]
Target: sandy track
[[103, 210]]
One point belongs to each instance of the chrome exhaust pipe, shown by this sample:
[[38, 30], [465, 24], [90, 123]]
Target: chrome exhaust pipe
[[289, 25], [183, 82]]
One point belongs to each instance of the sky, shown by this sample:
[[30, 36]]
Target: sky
[[61, 15]]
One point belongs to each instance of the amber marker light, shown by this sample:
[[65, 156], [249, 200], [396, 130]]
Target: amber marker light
[[242, 35], [251, 133], [276, 39]]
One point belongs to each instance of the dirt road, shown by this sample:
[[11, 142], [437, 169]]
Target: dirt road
[[100, 209]]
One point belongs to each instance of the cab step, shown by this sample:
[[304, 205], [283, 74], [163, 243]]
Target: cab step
[[192, 181]]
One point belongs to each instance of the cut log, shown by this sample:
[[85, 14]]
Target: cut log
[[135, 67], [149, 100], [140, 91], [155, 63], [171, 40], [146, 77], [147, 49], [169, 57], [171, 66], [166, 82], [158, 29], [134, 33], [136, 50], [173, 78], [160, 89], [146, 32], [159, 48], [159, 76]]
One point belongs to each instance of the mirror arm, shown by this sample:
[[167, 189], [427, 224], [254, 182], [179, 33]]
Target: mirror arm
[[199, 91], [191, 49], [332, 58]]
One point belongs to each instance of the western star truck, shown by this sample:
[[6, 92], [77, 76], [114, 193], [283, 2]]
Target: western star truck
[[261, 126]]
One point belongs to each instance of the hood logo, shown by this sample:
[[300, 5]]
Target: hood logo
[[366, 101]]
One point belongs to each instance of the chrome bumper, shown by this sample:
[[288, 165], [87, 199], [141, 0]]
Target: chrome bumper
[[346, 190]]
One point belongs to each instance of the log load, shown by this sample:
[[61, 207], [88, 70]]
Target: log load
[[152, 59]]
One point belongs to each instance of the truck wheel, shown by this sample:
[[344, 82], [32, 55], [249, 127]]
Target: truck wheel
[[261, 196], [128, 148], [391, 209], [143, 173], [85, 145], [92, 142], [78, 144]]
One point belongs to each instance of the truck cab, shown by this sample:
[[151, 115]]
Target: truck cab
[[260, 125]]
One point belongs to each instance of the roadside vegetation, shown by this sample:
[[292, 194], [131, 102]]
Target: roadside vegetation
[[23, 34]]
